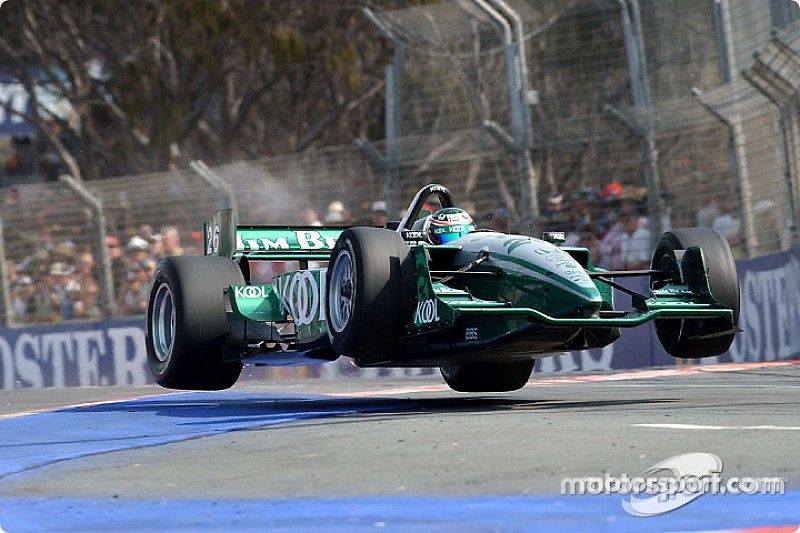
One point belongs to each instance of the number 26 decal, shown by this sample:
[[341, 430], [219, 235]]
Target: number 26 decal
[[213, 240]]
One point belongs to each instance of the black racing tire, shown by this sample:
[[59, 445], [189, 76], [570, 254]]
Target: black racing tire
[[724, 285], [487, 377], [186, 324], [365, 310]]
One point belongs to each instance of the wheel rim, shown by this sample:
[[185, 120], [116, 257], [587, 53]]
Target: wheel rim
[[162, 323], [341, 295]]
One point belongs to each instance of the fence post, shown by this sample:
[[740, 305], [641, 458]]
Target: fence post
[[394, 129], [520, 120], [744, 224], [637, 67], [758, 84], [5, 294], [528, 186], [729, 73], [390, 165], [100, 249], [722, 42], [216, 182]]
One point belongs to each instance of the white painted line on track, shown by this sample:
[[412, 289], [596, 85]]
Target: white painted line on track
[[692, 370], [705, 427], [389, 392]]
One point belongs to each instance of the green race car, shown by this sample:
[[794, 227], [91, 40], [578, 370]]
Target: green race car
[[430, 290]]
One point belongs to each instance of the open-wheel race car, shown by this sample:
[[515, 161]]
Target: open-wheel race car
[[431, 290]]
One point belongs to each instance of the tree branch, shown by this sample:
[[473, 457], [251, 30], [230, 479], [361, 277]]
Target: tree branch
[[321, 125]]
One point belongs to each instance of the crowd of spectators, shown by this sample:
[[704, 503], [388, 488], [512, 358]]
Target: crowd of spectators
[[60, 279], [53, 284], [611, 222], [337, 214]]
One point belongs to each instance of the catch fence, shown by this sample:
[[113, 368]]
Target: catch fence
[[537, 114]]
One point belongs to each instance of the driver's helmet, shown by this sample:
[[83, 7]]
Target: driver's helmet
[[447, 225]]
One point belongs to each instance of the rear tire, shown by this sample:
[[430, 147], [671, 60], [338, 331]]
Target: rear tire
[[487, 377], [187, 326], [365, 293], [723, 282]]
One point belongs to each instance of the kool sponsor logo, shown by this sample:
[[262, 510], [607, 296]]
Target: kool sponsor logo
[[303, 296], [427, 312], [250, 291], [94, 354], [414, 235]]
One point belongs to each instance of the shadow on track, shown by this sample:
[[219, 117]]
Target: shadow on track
[[210, 408]]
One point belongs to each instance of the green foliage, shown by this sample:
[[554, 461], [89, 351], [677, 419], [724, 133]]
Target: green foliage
[[288, 46]]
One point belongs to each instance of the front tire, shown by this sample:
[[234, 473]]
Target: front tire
[[187, 326], [365, 293], [487, 377], [723, 281]]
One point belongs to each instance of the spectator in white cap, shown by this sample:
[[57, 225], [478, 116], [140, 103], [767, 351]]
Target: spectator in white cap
[[337, 214], [378, 215], [56, 303], [137, 249]]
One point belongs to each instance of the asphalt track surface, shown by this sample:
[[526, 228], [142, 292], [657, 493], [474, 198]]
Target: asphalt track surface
[[410, 454]]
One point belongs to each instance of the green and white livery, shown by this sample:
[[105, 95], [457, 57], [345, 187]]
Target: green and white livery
[[481, 307]]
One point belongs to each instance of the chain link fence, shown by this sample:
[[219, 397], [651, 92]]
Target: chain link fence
[[572, 115]]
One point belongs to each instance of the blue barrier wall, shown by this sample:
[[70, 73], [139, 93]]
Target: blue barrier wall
[[113, 352]]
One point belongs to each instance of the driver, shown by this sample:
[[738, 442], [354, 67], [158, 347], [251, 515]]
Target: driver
[[447, 225]]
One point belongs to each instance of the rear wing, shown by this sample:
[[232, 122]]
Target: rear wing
[[224, 237]]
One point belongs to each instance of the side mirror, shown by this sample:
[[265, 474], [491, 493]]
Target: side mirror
[[554, 237]]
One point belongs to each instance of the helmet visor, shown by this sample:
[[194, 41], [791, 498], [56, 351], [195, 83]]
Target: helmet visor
[[445, 238], [450, 233]]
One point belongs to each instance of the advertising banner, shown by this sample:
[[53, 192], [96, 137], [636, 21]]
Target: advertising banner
[[74, 355]]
